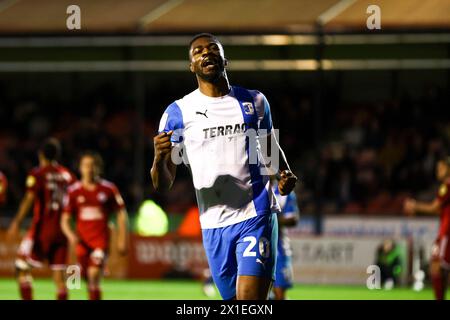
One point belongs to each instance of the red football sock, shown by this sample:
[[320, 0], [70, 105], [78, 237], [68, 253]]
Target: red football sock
[[95, 294], [439, 285], [26, 290], [62, 295]]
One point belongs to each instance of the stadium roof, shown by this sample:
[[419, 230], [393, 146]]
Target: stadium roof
[[228, 16]]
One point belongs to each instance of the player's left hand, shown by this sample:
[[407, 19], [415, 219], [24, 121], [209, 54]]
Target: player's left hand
[[287, 182], [409, 206]]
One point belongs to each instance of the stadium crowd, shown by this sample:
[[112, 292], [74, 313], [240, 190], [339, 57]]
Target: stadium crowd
[[370, 156]]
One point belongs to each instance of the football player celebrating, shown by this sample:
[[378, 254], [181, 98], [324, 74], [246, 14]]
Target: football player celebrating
[[90, 202], [238, 211], [440, 259], [46, 186]]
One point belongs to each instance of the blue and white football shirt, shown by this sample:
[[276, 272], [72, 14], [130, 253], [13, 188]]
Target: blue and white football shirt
[[212, 133]]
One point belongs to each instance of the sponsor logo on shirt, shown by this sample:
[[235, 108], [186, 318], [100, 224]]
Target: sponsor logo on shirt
[[225, 130], [90, 213]]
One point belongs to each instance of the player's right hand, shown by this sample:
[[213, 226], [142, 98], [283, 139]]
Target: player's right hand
[[287, 182], [163, 145]]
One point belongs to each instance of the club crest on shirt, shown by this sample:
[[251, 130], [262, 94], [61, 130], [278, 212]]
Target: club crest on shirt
[[81, 199], [101, 197], [443, 190], [248, 108]]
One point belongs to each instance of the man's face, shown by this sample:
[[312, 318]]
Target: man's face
[[442, 170], [41, 156], [88, 167], [387, 245], [207, 59]]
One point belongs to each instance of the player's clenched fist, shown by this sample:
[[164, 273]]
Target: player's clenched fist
[[163, 145], [287, 182]]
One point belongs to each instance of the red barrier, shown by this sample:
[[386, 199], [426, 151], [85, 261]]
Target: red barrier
[[8, 251], [116, 265], [170, 256]]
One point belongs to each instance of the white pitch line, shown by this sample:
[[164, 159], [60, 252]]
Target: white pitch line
[[334, 11], [158, 12]]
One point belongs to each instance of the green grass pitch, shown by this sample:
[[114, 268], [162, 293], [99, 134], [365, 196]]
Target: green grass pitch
[[182, 290]]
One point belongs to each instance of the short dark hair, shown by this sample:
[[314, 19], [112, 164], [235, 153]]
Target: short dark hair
[[51, 149], [202, 35], [98, 160]]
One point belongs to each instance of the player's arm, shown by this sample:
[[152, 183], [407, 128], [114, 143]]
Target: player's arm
[[291, 213], [25, 205], [67, 228], [163, 169], [412, 206], [122, 231], [286, 178]]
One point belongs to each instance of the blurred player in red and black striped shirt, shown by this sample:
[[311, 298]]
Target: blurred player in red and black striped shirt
[[440, 259], [90, 202], [46, 186]]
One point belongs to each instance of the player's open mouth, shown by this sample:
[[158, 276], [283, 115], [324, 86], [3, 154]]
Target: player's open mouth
[[209, 63]]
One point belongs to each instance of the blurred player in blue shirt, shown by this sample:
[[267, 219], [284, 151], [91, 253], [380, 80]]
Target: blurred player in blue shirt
[[288, 217]]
